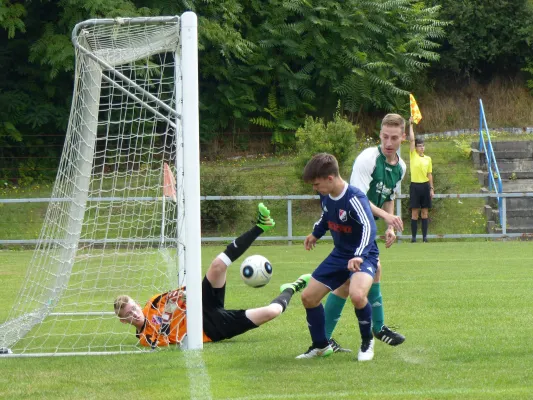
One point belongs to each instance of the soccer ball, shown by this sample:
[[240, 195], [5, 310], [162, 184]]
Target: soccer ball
[[256, 271]]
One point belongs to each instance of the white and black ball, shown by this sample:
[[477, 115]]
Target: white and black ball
[[256, 271]]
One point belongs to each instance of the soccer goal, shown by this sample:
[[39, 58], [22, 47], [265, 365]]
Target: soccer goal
[[128, 184]]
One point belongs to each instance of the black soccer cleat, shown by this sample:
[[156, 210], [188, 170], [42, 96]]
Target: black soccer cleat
[[337, 347], [390, 337]]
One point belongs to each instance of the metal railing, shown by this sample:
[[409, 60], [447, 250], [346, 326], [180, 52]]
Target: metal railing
[[492, 165], [289, 237]]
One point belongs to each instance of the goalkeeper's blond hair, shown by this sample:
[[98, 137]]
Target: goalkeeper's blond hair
[[120, 302]]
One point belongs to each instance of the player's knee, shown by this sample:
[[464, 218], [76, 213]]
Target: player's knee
[[216, 274], [218, 266], [358, 298], [309, 300]]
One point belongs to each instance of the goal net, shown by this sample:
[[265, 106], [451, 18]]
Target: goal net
[[126, 187]]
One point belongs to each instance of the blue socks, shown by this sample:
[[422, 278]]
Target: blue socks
[[364, 316], [316, 323]]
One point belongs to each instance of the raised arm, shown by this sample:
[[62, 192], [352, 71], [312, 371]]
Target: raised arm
[[411, 135]]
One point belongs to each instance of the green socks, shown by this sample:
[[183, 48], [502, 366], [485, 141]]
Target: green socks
[[376, 301], [335, 304], [333, 310]]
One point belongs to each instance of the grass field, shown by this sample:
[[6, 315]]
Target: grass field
[[465, 309]]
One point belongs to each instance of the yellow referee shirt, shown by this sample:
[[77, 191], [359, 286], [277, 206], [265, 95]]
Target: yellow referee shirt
[[420, 167]]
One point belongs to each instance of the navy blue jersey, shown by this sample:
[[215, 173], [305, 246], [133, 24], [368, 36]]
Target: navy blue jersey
[[349, 219]]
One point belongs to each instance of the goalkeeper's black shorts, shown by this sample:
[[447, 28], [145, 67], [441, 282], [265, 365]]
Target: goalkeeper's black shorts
[[219, 323]]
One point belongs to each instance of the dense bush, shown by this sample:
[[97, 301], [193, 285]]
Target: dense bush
[[337, 137], [225, 212], [489, 38]]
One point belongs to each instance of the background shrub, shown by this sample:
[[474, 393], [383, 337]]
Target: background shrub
[[337, 137], [215, 214]]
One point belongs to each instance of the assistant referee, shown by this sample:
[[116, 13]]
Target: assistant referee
[[421, 190]]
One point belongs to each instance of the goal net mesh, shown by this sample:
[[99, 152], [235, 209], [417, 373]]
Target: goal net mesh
[[112, 227]]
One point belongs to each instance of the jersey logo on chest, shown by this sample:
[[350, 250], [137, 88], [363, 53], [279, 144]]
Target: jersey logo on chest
[[343, 216]]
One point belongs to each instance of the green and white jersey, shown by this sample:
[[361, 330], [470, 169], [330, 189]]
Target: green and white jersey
[[372, 175]]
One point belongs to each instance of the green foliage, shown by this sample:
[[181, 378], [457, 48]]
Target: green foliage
[[216, 214], [265, 63], [11, 17], [281, 121], [529, 69], [464, 145], [488, 38], [336, 137], [365, 53]]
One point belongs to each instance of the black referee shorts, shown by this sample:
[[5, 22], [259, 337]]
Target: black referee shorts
[[219, 323], [420, 195]]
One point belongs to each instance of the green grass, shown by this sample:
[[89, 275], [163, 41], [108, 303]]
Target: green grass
[[464, 308]]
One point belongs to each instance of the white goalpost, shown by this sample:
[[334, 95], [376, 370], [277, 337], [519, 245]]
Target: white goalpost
[[124, 214]]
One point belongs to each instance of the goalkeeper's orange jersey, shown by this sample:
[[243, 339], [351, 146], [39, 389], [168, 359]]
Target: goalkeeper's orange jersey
[[166, 320]]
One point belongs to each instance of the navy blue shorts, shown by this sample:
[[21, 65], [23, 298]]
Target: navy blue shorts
[[333, 271]]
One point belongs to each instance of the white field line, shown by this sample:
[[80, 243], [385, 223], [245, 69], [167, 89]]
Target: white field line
[[197, 376]]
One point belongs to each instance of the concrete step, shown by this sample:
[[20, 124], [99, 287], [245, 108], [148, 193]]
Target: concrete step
[[517, 186], [510, 175], [516, 165], [514, 218], [519, 203], [510, 145], [515, 229], [523, 154], [520, 221], [519, 212], [504, 151], [512, 203]]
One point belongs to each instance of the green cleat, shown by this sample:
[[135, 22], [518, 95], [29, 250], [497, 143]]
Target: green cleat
[[298, 285], [263, 218]]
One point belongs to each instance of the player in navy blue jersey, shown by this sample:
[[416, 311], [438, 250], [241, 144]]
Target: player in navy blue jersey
[[346, 213]]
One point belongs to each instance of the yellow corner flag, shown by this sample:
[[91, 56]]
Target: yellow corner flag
[[415, 111]]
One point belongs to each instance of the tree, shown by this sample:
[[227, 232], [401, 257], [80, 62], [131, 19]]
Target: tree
[[365, 52], [486, 38]]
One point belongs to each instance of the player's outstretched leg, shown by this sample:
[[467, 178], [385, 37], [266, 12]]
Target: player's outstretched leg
[[389, 336], [216, 273], [264, 314], [298, 285]]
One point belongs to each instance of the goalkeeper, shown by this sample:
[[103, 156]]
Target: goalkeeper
[[162, 321]]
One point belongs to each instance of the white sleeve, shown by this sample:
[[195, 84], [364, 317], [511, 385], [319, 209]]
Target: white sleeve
[[362, 170]]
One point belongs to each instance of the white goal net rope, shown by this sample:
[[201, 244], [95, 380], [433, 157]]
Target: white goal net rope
[[111, 227]]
